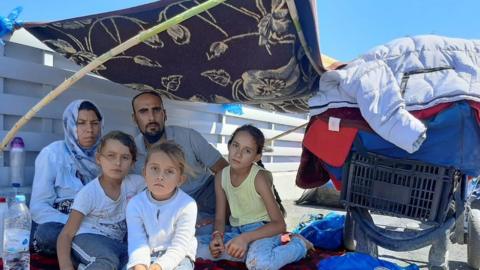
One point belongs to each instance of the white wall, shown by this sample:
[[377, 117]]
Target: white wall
[[29, 73]]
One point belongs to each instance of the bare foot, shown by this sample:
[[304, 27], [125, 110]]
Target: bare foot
[[308, 244]]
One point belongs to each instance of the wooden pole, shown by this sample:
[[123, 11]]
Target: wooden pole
[[268, 148], [140, 37], [285, 133]]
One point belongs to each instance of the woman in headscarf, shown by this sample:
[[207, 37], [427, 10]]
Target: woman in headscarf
[[61, 169]]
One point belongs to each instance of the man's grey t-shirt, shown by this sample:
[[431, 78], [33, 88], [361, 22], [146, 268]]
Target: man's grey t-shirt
[[199, 154]]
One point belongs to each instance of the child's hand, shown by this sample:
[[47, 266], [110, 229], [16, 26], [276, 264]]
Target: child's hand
[[216, 246], [237, 247], [155, 266], [140, 267]]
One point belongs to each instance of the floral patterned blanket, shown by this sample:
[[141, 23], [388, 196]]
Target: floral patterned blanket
[[257, 52]]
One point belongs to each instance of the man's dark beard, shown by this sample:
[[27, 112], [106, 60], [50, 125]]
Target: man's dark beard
[[153, 137]]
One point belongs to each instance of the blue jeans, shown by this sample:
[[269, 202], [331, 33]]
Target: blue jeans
[[99, 252], [45, 237], [205, 199], [263, 254], [185, 264]]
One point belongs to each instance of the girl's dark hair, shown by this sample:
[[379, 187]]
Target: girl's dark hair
[[256, 134], [88, 106], [259, 139], [123, 138], [174, 152]]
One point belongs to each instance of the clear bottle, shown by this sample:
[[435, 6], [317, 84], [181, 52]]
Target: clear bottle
[[16, 236], [17, 162], [3, 212]]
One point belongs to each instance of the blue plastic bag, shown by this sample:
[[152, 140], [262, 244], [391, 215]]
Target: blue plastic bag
[[473, 185], [326, 233], [9, 23], [308, 220], [360, 261], [233, 108]]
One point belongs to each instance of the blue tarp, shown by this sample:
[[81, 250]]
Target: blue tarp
[[359, 261]]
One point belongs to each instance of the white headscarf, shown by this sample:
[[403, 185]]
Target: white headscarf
[[84, 158]]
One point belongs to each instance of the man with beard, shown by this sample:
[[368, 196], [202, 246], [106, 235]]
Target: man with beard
[[204, 160]]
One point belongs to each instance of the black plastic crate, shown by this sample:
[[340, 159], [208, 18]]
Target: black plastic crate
[[398, 187]]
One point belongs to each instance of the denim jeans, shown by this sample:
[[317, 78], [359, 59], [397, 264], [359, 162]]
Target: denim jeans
[[45, 237], [99, 252], [263, 254], [185, 264], [205, 196], [205, 199]]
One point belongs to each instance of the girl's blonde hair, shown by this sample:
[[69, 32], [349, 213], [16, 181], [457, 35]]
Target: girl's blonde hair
[[174, 152]]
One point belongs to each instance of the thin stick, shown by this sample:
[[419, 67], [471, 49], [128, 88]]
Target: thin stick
[[268, 141], [140, 37]]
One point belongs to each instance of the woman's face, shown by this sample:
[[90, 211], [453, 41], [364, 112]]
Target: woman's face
[[88, 128]]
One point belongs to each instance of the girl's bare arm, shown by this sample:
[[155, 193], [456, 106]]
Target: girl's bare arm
[[263, 186], [64, 241]]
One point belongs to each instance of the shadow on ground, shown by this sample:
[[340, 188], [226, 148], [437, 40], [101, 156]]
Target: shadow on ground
[[457, 253], [456, 265]]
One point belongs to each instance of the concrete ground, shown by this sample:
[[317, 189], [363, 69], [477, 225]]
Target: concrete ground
[[457, 253], [289, 192]]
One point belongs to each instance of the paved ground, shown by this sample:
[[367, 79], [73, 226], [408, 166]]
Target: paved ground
[[457, 253]]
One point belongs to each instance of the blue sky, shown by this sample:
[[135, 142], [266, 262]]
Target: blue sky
[[348, 28]]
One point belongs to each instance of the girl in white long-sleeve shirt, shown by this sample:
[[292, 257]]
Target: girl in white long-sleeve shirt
[[161, 220]]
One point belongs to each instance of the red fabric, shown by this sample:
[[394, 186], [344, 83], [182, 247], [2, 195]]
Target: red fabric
[[351, 117], [476, 107], [311, 172], [329, 146], [39, 262], [431, 112], [336, 183], [321, 146], [310, 262]]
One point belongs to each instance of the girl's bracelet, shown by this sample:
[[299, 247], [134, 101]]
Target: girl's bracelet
[[217, 233]]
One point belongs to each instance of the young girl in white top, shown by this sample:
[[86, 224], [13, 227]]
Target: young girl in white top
[[95, 231], [256, 212], [161, 220]]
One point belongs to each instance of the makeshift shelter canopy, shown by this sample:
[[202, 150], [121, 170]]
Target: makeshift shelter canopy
[[262, 52]]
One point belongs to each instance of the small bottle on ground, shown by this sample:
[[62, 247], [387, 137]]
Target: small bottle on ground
[[16, 241]]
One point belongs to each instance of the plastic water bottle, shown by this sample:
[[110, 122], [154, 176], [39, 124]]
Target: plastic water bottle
[[17, 162], [3, 212], [16, 236]]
